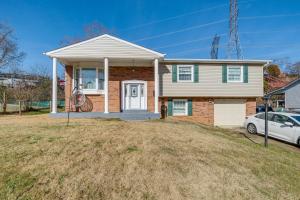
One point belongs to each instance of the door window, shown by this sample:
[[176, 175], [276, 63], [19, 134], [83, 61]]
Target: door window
[[134, 91]]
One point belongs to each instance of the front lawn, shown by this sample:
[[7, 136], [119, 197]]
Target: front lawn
[[41, 158]]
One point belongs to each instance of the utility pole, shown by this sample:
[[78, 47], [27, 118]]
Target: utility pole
[[215, 47], [234, 47]]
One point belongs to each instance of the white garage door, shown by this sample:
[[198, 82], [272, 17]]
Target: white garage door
[[229, 112]]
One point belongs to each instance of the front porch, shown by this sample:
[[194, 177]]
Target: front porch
[[127, 116], [114, 75]]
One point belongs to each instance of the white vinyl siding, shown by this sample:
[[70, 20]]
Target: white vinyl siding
[[180, 107], [105, 47], [210, 83], [234, 74], [185, 73]]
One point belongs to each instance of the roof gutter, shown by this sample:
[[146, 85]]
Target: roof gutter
[[217, 61]]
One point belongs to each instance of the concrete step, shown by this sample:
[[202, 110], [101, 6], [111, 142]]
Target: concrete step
[[139, 115]]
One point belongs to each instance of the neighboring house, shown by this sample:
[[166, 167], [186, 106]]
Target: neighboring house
[[119, 76], [14, 79], [291, 94]]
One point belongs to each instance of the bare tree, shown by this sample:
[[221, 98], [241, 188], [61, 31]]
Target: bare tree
[[90, 30], [9, 56], [9, 52], [294, 69], [23, 93]]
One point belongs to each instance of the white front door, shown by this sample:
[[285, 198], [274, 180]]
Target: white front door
[[134, 96]]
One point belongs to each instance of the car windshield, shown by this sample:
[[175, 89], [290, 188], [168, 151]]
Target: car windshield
[[296, 118]]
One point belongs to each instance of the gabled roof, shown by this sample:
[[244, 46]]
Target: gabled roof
[[104, 46], [284, 88]]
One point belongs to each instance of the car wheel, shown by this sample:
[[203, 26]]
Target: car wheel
[[298, 142], [251, 128]]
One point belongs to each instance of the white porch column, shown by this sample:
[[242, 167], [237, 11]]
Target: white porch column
[[54, 85], [106, 73], [156, 86]]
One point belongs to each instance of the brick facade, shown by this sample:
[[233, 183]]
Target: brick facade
[[203, 108], [250, 106], [116, 76], [119, 74]]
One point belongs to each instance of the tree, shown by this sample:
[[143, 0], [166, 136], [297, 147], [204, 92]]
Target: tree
[[90, 30], [273, 70], [9, 52], [9, 56], [294, 69], [23, 93]]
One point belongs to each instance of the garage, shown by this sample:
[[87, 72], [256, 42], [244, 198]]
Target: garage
[[229, 112]]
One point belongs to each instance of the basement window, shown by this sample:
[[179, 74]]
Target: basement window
[[180, 107]]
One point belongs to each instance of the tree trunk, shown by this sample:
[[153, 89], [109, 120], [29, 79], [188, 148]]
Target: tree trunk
[[20, 108], [4, 106]]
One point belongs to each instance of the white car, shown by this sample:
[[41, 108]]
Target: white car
[[283, 126]]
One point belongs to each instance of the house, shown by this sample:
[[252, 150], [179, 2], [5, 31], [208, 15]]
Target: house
[[14, 79], [119, 76], [291, 93]]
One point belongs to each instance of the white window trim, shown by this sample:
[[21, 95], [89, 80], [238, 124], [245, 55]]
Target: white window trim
[[87, 91], [242, 74], [186, 107], [192, 73]]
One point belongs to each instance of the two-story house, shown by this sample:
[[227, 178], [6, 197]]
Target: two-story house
[[118, 76]]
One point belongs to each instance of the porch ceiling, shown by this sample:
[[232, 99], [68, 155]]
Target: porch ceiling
[[112, 62]]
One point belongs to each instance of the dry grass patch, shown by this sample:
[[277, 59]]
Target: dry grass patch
[[41, 158]]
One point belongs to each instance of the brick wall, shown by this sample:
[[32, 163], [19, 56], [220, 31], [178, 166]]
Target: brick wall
[[119, 74], [116, 76], [68, 85], [202, 110], [250, 106]]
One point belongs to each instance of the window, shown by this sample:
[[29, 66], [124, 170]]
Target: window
[[262, 116], [100, 79], [185, 73], [282, 119], [296, 118], [179, 107], [235, 74], [89, 78]]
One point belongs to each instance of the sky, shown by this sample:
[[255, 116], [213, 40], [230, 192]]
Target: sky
[[268, 29]]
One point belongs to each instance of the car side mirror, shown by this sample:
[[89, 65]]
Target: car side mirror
[[289, 124]]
